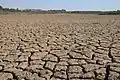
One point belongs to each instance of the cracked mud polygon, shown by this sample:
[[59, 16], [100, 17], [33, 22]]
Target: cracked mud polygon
[[59, 47]]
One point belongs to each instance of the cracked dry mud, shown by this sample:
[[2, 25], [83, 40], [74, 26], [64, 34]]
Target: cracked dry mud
[[59, 47]]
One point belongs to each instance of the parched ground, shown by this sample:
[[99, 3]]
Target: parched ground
[[59, 47]]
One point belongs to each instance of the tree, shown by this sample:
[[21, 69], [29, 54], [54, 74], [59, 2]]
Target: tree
[[63, 10], [17, 10], [1, 7], [5, 9]]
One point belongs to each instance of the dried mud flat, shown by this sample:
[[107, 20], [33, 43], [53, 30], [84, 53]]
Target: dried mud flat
[[59, 47]]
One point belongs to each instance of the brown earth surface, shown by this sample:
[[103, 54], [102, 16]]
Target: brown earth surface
[[59, 47]]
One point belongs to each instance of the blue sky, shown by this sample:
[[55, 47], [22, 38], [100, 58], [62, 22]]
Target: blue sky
[[63, 4]]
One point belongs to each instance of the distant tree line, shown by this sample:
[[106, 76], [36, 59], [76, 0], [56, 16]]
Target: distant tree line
[[110, 13], [59, 11], [9, 9], [97, 12], [13, 10], [86, 12]]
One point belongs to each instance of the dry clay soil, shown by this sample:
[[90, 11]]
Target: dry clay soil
[[59, 47]]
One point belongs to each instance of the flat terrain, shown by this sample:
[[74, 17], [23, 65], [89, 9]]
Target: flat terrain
[[59, 47]]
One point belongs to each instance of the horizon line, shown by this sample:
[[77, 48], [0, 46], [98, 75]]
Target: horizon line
[[58, 9]]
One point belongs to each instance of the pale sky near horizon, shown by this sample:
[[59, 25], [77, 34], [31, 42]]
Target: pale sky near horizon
[[63, 4]]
